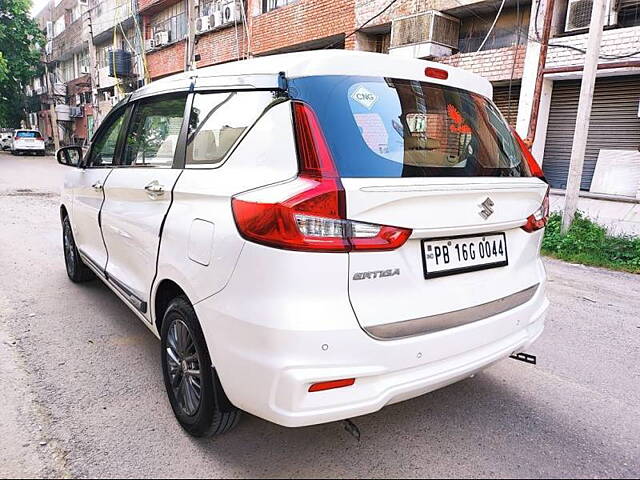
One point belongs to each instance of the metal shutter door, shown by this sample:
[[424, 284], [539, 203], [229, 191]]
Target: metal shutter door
[[501, 99], [614, 125]]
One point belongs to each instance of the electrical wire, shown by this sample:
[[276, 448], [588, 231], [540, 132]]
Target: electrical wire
[[493, 25]]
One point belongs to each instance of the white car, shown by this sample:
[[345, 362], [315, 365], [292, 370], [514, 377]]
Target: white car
[[5, 140], [312, 236], [27, 141]]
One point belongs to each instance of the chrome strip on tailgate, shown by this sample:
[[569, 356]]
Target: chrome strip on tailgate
[[443, 321]]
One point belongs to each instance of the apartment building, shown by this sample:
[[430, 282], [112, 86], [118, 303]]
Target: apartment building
[[497, 39], [81, 35]]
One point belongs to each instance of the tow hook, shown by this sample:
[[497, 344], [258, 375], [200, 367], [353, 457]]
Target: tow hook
[[524, 357]]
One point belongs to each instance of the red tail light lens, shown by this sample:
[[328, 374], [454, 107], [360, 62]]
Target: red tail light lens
[[540, 217], [309, 213], [534, 168]]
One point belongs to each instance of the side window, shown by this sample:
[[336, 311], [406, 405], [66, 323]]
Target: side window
[[153, 132], [218, 120], [103, 149]]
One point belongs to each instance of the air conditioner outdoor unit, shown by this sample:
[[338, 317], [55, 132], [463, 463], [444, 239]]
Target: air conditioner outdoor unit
[[49, 30], [215, 19], [149, 44], [579, 15], [161, 38], [202, 24], [230, 11], [427, 34]]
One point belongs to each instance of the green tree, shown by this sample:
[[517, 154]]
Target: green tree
[[20, 44]]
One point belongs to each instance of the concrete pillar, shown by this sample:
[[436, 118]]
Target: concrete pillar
[[537, 150], [530, 70]]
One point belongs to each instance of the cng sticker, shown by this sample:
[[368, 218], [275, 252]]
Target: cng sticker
[[364, 97]]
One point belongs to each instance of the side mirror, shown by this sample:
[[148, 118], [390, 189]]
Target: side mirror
[[69, 156]]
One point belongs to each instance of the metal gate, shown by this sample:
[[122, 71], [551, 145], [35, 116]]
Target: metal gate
[[614, 125], [508, 108]]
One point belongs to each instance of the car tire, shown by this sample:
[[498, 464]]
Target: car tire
[[198, 401], [77, 271]]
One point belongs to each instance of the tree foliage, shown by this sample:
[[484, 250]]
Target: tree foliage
[[20, 44]]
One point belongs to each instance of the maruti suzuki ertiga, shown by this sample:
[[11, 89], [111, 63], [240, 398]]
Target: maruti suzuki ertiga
[[312, 236]]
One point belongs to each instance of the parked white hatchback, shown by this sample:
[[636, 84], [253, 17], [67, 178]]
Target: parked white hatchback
[[27, 141], [312, 236]]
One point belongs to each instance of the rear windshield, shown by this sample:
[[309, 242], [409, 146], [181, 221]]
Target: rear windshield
[[27, 134], [386, 127]]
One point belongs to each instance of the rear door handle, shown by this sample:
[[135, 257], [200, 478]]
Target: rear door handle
[[154, 189], [98, 186]]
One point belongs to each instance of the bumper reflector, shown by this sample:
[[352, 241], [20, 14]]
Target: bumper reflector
[[319, 387]]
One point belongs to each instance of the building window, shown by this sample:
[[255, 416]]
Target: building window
[[473, 31], [172, 20], [58, 26], [268, 5], [629, 13]]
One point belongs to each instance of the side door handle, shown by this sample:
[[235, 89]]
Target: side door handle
[[98, 186], [154, 189]]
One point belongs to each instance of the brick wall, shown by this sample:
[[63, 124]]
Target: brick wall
[[166, 61], [365, 9], [494, 65], [221, 46], [618, 41], [300, 22]]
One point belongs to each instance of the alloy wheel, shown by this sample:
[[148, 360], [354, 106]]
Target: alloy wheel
[[183, 365]]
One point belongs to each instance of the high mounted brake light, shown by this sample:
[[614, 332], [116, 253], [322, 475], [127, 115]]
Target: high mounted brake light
[[438, 73], [309, 213]]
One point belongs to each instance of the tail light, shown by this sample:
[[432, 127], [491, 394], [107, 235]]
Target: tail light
[[309, 213], [539, 218]]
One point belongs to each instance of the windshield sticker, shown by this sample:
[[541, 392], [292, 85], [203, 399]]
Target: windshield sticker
[[458, 122], [364, 97], [373, 132]]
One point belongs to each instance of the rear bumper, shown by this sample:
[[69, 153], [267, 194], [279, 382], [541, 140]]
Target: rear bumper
[[267, 367]]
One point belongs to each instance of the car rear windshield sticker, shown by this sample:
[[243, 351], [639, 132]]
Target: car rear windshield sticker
[[364, 97], [373, 131]]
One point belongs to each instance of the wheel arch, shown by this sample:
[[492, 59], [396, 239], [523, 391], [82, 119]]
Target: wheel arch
[[165, 291]]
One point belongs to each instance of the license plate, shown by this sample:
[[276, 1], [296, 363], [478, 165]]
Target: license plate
[[448, 256]]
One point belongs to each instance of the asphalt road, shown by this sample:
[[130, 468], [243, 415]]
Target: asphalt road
[[82, 390]]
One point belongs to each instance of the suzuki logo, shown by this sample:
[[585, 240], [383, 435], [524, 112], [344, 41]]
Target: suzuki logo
[[487, 208]]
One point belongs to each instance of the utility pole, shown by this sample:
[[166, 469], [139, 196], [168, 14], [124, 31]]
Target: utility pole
[[584, 114], [190, 63], [52, 106], [95, 76]]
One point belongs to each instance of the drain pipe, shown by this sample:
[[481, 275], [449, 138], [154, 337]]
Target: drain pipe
[[542, 61]]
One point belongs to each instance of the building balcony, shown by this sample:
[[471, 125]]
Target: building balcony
[[67, 43]]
